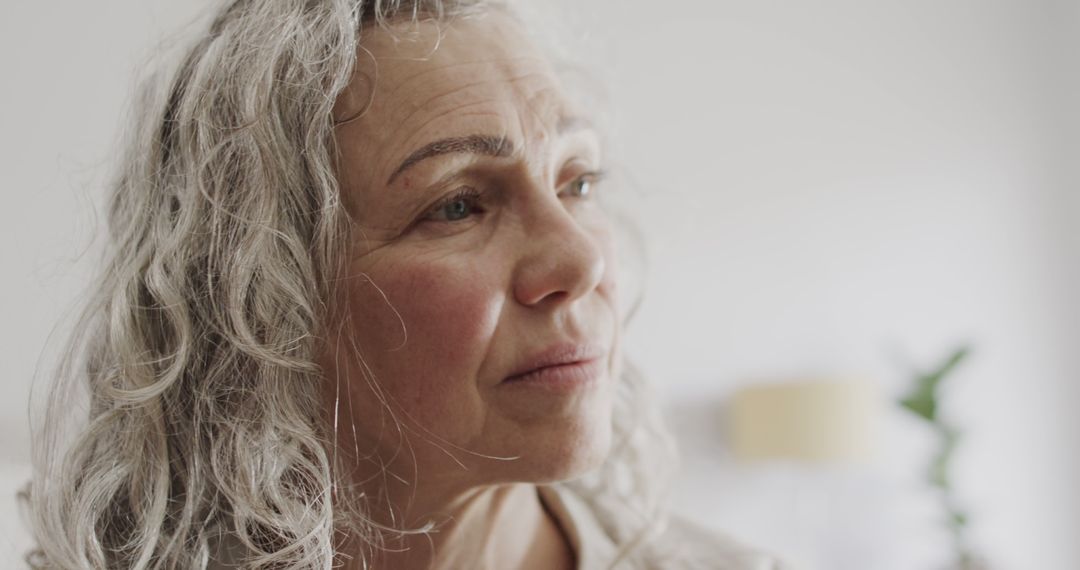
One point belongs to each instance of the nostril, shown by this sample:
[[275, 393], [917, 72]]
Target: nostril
[[556, 296], [561, 254], [560, 274]]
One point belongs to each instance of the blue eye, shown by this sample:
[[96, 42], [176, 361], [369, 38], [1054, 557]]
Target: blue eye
[[582, 186], [456, 210], [457, 207]]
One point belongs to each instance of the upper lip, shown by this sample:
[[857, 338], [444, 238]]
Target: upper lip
[[556, 355]]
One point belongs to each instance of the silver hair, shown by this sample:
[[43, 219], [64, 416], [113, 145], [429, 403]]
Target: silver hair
[[197, 350]]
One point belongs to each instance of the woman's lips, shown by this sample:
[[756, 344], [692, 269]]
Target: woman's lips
[[560, 377], [556, 355]]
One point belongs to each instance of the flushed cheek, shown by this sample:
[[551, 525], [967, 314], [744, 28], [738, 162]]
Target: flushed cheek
[[427, 338]]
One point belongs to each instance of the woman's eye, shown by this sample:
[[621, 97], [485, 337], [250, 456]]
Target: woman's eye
[[455, 208], [582, 186]]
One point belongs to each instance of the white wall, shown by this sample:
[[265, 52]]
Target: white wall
[[853, 188], [833, 187]]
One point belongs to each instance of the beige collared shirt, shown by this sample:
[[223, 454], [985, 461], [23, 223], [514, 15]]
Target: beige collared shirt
[[688, 545], [683, 546]]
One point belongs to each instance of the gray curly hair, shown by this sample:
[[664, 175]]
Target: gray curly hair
[[197, 351]]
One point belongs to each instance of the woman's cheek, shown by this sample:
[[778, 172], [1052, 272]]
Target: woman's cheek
[[427, 338]]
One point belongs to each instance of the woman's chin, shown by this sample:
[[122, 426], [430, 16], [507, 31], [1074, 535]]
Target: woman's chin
[[572, 455]]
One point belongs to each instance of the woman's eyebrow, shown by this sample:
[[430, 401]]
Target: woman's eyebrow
[[487, 145]]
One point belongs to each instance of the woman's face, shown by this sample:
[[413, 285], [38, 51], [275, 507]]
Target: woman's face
[[480, 252]]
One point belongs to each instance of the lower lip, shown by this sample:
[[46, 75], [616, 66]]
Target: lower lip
[[564, 377]]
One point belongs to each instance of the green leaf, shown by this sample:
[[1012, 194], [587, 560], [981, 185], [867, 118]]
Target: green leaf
[[923, 401], [922, 405], [930, 383]]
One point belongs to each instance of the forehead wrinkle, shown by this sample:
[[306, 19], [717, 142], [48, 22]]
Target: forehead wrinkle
[[544, 104], [422, 129], [405, 82], [495, 81], [500, 62], [427, 104], [517, 82], [517, 95]]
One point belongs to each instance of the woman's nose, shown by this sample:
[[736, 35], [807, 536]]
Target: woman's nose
[[561, 259]]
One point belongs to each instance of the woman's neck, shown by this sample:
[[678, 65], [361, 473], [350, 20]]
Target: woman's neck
[[494, 527]]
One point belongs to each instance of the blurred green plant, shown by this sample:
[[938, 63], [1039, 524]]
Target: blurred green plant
[[924, 402]]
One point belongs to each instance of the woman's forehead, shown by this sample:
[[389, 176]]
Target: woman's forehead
[[477, 75], [411, 67]]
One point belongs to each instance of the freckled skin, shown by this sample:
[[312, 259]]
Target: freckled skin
[[442, 311]]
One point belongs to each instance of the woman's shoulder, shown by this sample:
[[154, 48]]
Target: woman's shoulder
[[681, 544], [696, 546]]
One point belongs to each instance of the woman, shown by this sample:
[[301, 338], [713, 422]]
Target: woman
[[360, 311]]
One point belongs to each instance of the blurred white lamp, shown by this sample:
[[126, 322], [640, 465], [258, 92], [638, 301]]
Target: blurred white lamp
[[814, 421], [804, 437]]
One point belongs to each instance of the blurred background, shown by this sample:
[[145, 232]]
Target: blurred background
[[836, 196]]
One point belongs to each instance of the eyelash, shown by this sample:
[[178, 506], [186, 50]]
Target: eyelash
[[472, 196]]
